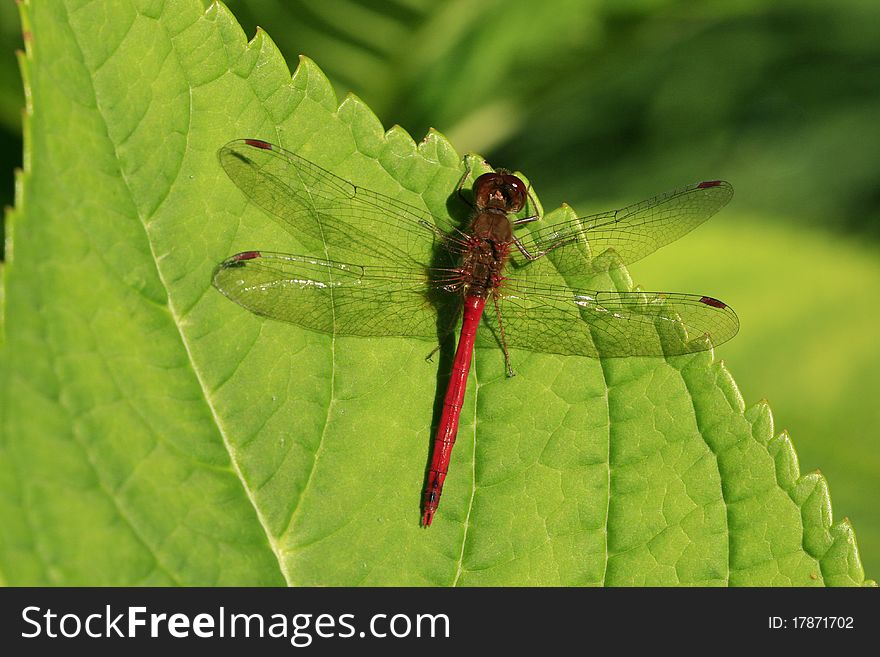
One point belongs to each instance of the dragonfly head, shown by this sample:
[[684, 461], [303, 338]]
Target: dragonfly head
[[501, 191]]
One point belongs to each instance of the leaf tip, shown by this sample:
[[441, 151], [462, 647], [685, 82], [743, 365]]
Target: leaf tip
[[215, 9], [366, 128], [760, 417], [308, 75], [436, 146], [785, 460], [399, 139]]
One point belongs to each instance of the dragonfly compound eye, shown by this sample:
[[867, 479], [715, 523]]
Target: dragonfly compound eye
[[500, 190], [516, 192]]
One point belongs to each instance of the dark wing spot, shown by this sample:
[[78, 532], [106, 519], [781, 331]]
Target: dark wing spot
[[247, 255], [259, 143], [715, 303], [238, 259], [709, 183]]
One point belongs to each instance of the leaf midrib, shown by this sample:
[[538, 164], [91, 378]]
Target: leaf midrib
[[464, 538], [176, 320]]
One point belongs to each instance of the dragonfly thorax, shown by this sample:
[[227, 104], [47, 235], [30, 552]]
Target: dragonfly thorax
[[492, 225], [483, 260]]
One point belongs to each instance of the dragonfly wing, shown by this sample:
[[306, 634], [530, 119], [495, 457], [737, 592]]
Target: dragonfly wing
[[555, 319], [331, 297], [347, 221], [632, 232]]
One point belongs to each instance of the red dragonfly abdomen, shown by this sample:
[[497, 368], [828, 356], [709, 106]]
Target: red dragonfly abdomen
[[448, 427]]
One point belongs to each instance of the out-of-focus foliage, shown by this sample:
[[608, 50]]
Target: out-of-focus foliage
[[11, 103], [11, 94]]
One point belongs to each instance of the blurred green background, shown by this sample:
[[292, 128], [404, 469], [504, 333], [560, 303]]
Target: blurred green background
[[606, 103]]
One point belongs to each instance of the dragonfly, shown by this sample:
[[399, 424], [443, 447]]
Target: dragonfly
[[382, 267]]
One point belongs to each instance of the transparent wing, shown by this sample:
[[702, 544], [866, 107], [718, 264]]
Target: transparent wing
[[632, 232], [334, 297], [559, 320], [357, 300], [348, 223], [392, 290]]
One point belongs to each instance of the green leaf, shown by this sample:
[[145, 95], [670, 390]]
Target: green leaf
[[154, 433], [808, 342]]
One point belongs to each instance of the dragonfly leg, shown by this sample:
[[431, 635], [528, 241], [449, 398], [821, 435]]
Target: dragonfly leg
[[531, 217], [534, 256], [532, 198], [458, 188], [510, 372], [430, 356], [445, 329]]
